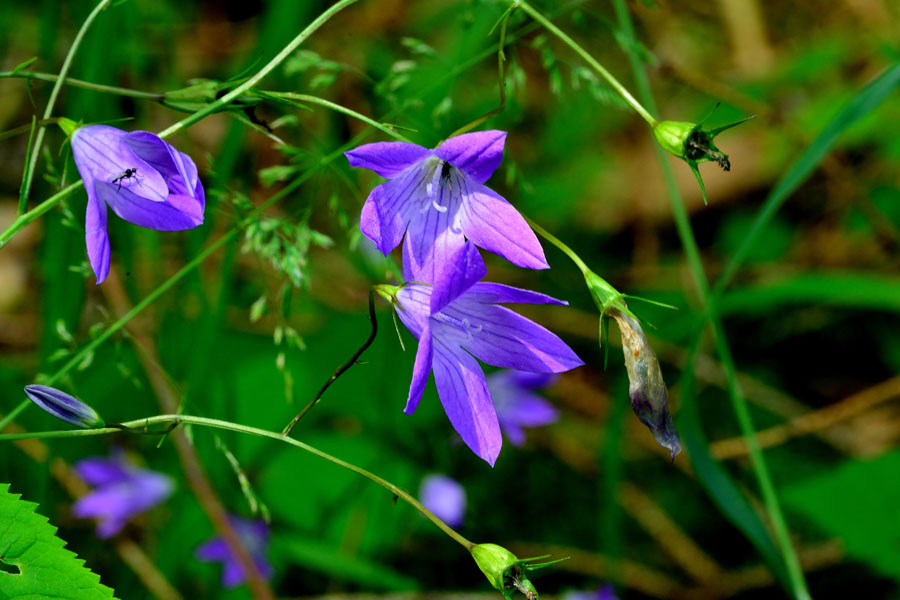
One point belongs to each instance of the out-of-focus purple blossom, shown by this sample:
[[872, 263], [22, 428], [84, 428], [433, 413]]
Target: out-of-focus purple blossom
[[445, 497], [437, 198], [605, 592], [254, 534], [63, 406], [458, 318], [142, 178], [516, 403], [121, 491]]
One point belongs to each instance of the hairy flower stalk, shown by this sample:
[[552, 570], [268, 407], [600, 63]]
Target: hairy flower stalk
[[141, 178]]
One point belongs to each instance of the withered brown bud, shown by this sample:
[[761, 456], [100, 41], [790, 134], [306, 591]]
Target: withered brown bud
[[649, 397]]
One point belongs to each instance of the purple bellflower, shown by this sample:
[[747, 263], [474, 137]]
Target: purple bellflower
[[255, 537], [606, 592], [121, 492], [516, 403], [445, 497], [458, 318], [437, 198], [142, 178], [63, 406]]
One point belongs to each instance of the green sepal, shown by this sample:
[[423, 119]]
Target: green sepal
[[67, 125]]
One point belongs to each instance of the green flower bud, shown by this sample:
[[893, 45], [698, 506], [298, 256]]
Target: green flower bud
[[692, 144], [507, 572]]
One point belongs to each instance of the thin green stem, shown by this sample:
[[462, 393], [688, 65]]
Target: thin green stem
[[141, 424], [338, 108], [612, 81], [26, 218], [559, 244], [251, 82], [67, 63], [739, 403], [97, 87]]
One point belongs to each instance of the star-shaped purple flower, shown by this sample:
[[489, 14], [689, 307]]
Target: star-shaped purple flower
[[445, 497], [437, 198], [121, 492], [255, 537], [516, 403], [142, 178], [457, 319]]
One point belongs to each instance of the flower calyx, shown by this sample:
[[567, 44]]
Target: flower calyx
[[506, 572], [693, 144]]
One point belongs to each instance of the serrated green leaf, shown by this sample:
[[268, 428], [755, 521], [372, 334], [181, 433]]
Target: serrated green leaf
[[46, 568]]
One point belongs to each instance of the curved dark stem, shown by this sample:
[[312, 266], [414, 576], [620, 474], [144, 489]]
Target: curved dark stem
[[341, 369]]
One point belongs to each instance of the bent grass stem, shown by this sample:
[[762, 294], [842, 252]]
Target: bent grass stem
[[138, 425]]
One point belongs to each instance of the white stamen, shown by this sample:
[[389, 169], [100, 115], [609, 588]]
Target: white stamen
[[438, 207]]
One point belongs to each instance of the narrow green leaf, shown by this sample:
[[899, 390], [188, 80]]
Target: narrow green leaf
[[23, 189], [850, 290], [23, 65], [28, 544], [719, 486], [868, 98]]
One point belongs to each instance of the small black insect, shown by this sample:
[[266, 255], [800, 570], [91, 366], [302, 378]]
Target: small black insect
[[126, 174]]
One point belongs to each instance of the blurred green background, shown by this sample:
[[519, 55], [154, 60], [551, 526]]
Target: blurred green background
[[811, 318]]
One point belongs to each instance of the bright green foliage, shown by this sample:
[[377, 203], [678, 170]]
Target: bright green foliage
[[858, 503], [46, 569]]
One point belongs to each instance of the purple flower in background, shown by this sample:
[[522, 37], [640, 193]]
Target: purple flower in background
[[63, 406], [516, 403], [255, 537], [438, 199], [121, 492], [142, 178], [605, 592], [445, 497], [458, 319]]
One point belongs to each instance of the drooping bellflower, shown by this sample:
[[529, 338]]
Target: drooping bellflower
[[63, 406], [121, 491], [437, 197], [459, 319], [516, 403], [445, 497], [255, 537], [141, 178]]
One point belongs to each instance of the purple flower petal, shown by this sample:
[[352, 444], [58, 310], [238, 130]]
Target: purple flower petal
[[101, 154], [101, 471], [421, 370], [63, 406], [493, 224], [445, 497], [169, 215], [96, 238], [388, 159], [215, 549], [385, 216], [496, 293], [254, 535], [460, 272], [478, 154], [464, 395], [507, 339], [121, 492], [144, 179]]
